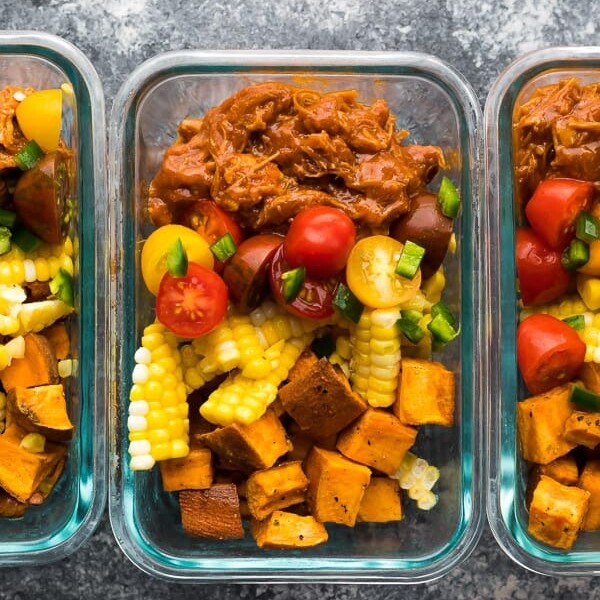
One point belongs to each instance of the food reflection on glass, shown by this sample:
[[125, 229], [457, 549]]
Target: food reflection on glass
[[36, 296], [296, 260], [557, 169]]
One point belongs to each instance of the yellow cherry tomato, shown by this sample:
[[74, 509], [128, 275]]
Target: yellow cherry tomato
[[371, 273], [40, 118], [158, 245]]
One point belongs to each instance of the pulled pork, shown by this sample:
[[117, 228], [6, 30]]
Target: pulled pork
[[272, 149], [557, 134], [11, 138]]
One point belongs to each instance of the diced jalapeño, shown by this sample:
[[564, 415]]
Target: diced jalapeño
[[347, 303], [410, 260], [292, 282]]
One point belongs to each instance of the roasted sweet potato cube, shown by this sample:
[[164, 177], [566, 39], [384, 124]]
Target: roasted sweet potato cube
[[250, 447], [556, 512], [11, 508], [540, 424], [590, 482], [277, 407], [336, 486], [213, 513], [59, 339], [192, 472], [425, 393], [47, 485], [276, 488], [21, 471], [382, 501], [37, 367], [41, 409], [563, 469], [583, 428], [301, 445], [321, 400], [377, 439], [303, 365], [287, 530]]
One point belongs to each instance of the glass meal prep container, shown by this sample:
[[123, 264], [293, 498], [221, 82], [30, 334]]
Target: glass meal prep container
[[438, 107], [507, 482], [68, 517]]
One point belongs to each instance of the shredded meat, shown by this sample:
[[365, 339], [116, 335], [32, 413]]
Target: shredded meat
[[557, 134], [272, 149], [11, 138]]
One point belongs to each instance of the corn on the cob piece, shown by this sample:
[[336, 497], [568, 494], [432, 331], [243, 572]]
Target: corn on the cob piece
[[418, 477], [342, 354], [158, 412], [18, 267], [241, 399], [240, 342], [35, 316], [568, 307], [68, 367], [375, 359]]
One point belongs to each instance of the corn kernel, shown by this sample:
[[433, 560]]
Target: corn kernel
[[5, 273], [179, 449], [137, 392], [157, 437], [156, 419], [427, 501], [151, 340], [17, 271], [138, 408], [139, 448], [161, 451], [141, 463], [379, 400], [154, 391], [33, 442], [136, 423]]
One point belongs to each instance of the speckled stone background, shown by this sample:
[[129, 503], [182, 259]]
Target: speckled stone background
[[479, 37]]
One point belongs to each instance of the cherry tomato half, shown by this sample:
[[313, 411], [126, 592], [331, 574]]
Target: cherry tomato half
[[542, 278], [554, 207], [315, 298], [371, 273], [192, 305], [247, 271], [320, 239], [212, 223], [549, 352], [40, 118]]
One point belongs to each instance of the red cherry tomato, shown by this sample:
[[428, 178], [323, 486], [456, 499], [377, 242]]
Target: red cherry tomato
[[549, 352], [315, 298], [320, 239], [542, 278], [192, 305], [247, 272], [212, 223], [554, 207]]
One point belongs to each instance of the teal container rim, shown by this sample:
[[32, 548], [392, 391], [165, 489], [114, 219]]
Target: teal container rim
[[92, 158], [268, 569], [500, 316]]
